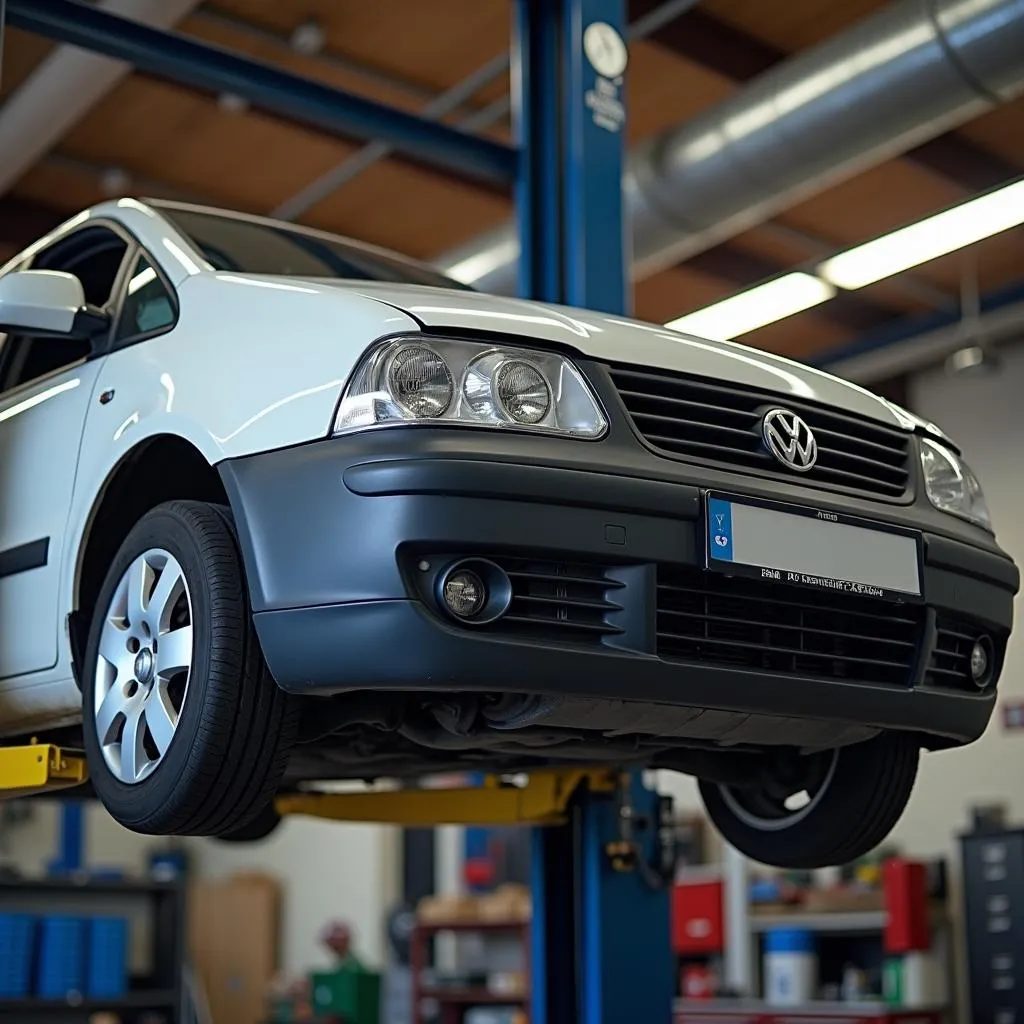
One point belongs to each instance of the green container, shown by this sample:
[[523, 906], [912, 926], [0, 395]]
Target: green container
[[351, 992], [892, 981]]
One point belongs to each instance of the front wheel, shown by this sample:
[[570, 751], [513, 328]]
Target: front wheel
[[185, 730], [818, 810]]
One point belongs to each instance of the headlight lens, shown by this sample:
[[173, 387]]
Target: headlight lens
[[440, 381], [951, 486], [420, 381]]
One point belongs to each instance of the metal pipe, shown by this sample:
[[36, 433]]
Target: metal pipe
[[906, 74], [199, 65]]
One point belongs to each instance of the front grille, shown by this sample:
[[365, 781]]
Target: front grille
[[950, 663], [558, 601], [697, 420], [726, 620]]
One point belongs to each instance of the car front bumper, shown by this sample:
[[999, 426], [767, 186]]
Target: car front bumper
[[343, 541]]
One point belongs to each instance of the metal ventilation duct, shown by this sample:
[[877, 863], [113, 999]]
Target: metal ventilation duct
[[912, 71]]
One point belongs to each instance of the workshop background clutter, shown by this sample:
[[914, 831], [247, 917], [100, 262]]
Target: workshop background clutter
[[839, 187]]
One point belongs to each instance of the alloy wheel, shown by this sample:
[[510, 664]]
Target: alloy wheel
[[143, 665]]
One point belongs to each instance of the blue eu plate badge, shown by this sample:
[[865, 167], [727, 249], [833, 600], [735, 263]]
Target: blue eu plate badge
[[720, 530]]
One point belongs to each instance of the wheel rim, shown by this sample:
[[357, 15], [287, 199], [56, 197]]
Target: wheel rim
[[143, 665], [783, 801]]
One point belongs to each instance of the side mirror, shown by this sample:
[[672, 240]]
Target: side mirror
[[46, 303]]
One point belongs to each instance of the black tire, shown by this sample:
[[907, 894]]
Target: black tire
[[235, 727], [860, 801], [263, 825]]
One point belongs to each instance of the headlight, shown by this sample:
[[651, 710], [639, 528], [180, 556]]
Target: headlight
[[951, 486], [437, 381]]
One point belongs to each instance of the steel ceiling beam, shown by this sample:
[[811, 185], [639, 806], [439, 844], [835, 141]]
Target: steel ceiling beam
[[178, 58]]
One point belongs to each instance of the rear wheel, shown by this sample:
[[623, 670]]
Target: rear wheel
[[185, 730], [818, 810]]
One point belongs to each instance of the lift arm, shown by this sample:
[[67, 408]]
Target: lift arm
[[544, 800], [39, 768]]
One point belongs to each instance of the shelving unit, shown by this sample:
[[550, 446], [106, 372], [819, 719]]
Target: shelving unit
[[455, 1000], [753, 1011], [156, 995], [705, 932], [840, 922]]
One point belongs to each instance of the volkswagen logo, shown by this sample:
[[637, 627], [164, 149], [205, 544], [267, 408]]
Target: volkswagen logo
[[789, 439]]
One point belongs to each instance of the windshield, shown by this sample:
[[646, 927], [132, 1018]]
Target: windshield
[[254, 247]]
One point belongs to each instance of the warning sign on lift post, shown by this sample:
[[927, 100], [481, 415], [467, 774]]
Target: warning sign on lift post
[[606, 51]]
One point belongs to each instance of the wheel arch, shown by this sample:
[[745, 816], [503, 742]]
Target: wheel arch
[[159, 468]]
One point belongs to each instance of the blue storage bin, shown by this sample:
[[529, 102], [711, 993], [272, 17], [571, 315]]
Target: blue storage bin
[[61, 968], [17, 943], [106, 975]]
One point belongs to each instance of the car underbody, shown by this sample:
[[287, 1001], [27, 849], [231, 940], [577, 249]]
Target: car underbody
[[368, 735]]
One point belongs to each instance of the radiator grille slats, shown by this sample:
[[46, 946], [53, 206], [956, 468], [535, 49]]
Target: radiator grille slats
[[714, 619], [689, 418]]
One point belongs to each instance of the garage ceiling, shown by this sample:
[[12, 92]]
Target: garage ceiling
[[150, 137]]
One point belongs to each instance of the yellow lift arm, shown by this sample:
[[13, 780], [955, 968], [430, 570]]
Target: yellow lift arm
[[39, 768], [42, 768], [542, 801]]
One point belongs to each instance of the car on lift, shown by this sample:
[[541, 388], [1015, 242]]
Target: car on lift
[[280, 508]]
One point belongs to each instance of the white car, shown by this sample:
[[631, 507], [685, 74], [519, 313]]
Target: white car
[[277, 507]]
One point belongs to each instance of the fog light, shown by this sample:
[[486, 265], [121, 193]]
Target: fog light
[[476, 591], [464, 593], [980, 661]]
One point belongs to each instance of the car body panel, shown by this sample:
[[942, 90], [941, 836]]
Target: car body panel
[[40, 427], [257, 364], [191, 382], [621, 339]]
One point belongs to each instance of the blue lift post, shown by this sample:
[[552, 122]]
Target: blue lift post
[[600, 936], [601, 952]]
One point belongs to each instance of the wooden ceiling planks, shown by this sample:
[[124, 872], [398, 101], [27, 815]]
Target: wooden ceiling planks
[[1000, 131], [409, 210], [795, 24], [58, 187], [23, 53], [434, 43]]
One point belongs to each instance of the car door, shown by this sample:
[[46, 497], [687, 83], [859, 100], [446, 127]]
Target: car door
[[46, 385]]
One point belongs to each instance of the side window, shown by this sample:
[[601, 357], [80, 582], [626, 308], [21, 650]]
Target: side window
[[148, 305], [94, 255]]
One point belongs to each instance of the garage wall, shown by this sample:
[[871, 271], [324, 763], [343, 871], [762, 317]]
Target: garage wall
[[328, 871], [986, 417]]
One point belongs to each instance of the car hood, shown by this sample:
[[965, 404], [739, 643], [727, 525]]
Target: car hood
[[623, 340]]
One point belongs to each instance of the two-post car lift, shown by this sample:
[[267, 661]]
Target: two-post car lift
[[600, 934]]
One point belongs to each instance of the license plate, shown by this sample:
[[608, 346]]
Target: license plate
[[790, 544]]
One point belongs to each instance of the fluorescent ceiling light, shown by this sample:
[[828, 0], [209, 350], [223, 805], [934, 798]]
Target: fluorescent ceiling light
[[756, 307], [927, 239]]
